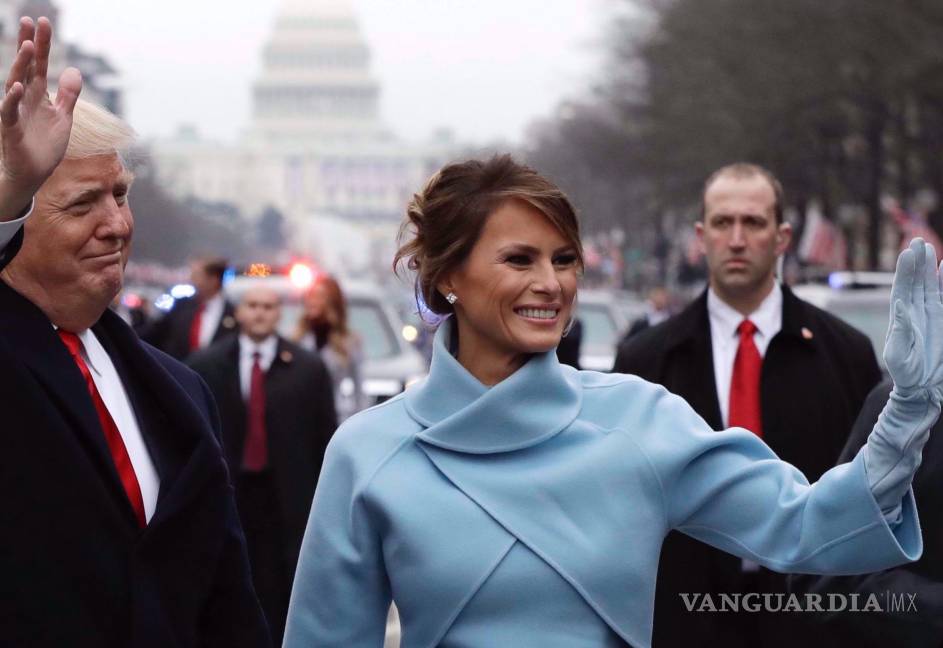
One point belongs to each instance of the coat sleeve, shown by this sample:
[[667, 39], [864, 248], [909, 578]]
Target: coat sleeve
[[11, 239], [920, 625], [729, 489], [341, 593], [232, 616]]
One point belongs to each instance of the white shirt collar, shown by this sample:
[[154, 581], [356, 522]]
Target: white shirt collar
[[266, 348], [767, 317], [92, 350]]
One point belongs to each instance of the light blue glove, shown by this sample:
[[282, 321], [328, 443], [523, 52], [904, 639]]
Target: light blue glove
[[913, 354]]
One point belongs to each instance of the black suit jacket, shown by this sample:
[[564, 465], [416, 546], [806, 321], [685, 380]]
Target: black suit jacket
[[816, 374], [917, 626], [76, 569], [171, 333], [299, 420]]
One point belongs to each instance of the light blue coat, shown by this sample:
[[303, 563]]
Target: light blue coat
[[532, 514]]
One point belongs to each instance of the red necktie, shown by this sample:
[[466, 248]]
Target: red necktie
[[195, 328], [119, 454], [745, 383], [255, 453]]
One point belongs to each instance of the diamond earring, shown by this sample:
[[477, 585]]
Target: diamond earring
[[451, 298]]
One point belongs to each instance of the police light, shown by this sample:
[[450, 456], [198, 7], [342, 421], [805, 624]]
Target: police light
[[164, 303], [301, 275]]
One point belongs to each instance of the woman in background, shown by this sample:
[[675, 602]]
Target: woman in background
[[323, 328]]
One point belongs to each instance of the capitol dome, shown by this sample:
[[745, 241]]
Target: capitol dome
[[316, 84]]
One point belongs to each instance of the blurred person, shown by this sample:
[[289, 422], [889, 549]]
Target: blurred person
[[134, 316], [749, 353], [193, 323], [916, 619], [657, 310], [323, 328], [277, 414], [509, 500], [119, 525], [568, 351]]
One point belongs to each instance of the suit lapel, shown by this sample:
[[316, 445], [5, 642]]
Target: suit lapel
[[227, 322], [36, 344], [183, 448], [690, 343]]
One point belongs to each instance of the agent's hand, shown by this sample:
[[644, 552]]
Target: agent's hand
[[34, 130], [913, 352]]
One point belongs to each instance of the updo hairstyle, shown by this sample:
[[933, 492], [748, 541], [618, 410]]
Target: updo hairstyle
[[444, 220]]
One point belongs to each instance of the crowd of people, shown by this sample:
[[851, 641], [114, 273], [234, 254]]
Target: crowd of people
[[207, 481]]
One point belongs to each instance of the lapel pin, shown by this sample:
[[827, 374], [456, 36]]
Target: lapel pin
[[286, 356], [228, 322], [806, 333]]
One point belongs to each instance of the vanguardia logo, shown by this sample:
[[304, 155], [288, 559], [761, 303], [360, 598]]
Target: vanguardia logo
[[886, 601]]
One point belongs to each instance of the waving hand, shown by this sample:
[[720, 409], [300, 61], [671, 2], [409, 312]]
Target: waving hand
[[34, 130], [914, 349]]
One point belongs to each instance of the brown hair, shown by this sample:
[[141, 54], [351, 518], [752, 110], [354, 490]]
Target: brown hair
[[213, 266], [742, 171], [444, 220], [340, 337]]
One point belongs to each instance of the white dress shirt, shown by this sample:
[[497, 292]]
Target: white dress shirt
[[247, 348], [116, 399], [725, 340], [209, 320]]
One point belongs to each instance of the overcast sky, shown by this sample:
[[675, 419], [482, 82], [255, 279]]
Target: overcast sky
[[484, 68]]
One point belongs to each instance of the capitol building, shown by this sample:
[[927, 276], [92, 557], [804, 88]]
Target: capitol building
[[316, 148]]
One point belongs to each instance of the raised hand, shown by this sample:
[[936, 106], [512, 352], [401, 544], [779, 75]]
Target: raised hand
[[914, 348], [34, 130]]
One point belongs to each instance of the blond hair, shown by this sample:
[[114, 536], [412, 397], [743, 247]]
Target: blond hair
[[96, 131]]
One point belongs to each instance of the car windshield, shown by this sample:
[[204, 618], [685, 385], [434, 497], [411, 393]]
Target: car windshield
[[365, 318], [370, 323], [870, 319], [599, 328]]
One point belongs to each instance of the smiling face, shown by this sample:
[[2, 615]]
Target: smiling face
[[515, 291], [77, 241], [740, 237]]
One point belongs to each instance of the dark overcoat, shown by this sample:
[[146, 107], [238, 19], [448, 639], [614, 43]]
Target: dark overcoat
[[816, 373], [171, 333], [913, 618], [76, 569], [299, 421]]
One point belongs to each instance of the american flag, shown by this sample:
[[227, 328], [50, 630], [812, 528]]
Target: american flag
[[913, 224], [823, 243]]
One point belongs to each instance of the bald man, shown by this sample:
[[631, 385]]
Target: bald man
[[277, 410]]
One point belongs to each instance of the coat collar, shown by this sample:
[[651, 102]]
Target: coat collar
[[532, 405], [694, 322]]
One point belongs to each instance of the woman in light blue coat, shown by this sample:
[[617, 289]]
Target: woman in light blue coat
[[511, 501]]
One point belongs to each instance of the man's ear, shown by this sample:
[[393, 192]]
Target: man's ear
[[783, 237], [699, 233]]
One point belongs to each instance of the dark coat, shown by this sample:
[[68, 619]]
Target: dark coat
[[299, 420], [920, 626], [816, 373], [171, 333], [76, 569]]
